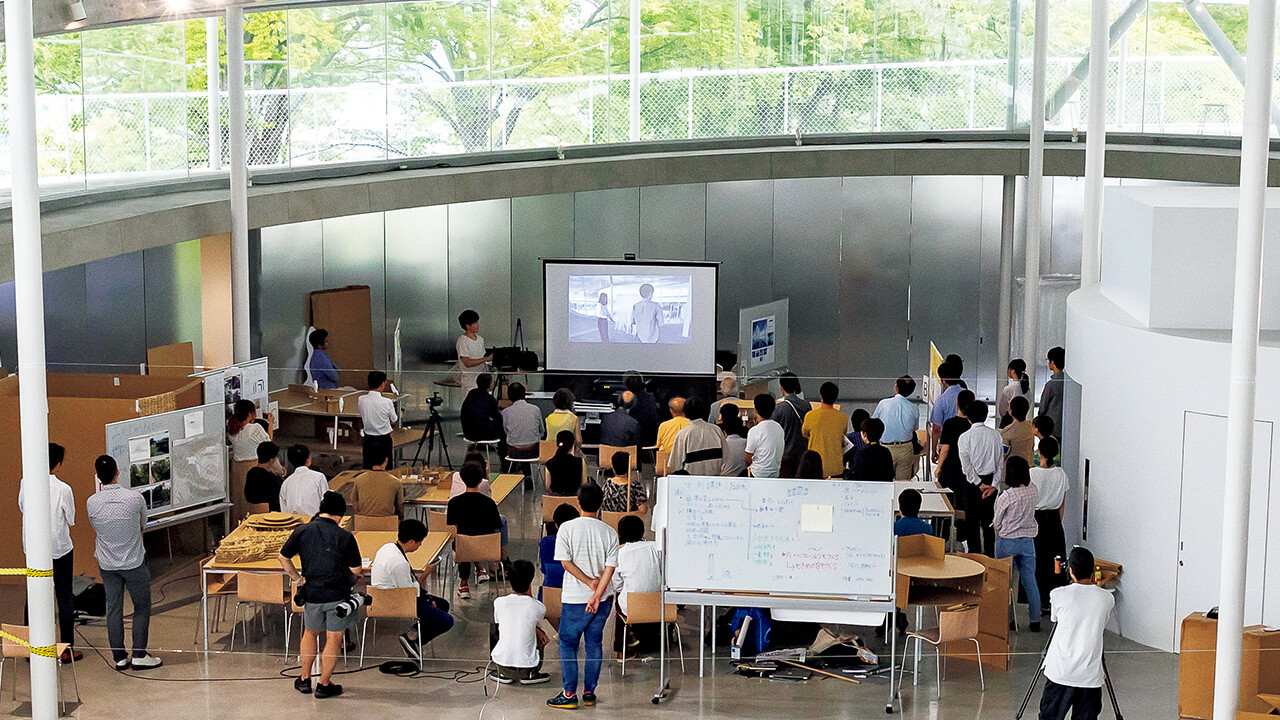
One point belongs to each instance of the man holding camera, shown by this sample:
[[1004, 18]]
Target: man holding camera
[[330, 568]]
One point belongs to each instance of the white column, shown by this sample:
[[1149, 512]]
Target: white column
[[635, 70], [213, 82], [1095, 143], [1244, 356], [239, 186], [1035, 192], [28, 281]]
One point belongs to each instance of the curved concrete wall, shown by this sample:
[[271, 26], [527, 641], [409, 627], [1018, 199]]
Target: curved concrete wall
[[123, 222]]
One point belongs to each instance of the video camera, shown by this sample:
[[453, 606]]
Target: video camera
[[435, 400]]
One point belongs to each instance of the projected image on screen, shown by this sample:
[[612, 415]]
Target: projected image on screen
[[615, 308]]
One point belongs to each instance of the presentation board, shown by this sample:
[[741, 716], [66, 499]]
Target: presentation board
[[610, 316], [177, 459], [763, 338], [242, 381], [798, 537]]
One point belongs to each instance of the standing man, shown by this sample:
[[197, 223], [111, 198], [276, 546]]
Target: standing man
[[982, 459], [472, 359], [765, 440], [62, 504], [378, 415], [699, 448], [667, 431], [789, 414], [944, 408], [824, 427], [1051, 396], [118, 516], [618, 428], [330, 567], [646, 316], [588, 551], [901, 418], [323, 370], [1073, 670]]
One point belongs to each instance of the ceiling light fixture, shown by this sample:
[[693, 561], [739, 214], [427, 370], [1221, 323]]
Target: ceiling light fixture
[[77, 11]]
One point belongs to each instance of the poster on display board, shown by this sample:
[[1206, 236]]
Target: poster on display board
[[172, 459], [762, 341], [242, 381]]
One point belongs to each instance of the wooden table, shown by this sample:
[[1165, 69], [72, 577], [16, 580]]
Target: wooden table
[[927, 577], [433, 495], [433, 546], [313, 407], [934, 502]]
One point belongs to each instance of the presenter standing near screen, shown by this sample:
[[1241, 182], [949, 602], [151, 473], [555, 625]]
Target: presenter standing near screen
[[646, 316], [603, 317], [472, 359]]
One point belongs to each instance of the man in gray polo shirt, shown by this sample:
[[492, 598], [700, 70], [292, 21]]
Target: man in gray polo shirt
[[118, 516]]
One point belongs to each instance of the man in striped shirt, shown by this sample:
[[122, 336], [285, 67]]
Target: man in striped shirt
[[118, 516]]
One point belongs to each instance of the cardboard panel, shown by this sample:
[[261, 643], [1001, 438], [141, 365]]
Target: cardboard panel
[[1259, 673], [348, 316], [86, 385], [178, 359]]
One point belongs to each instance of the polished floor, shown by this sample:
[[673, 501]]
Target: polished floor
[[248, 682]]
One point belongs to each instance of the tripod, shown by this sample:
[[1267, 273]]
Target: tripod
[[1111, 691], [434, 427]]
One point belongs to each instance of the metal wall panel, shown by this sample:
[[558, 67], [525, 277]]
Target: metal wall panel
[[66, 341], [946, 253], [739, 235], [354, 254], [541, 227], [292, 265], [171, 276], [985, 365], [606, 223], [806, 257], [117, 313], [417, 242], [1068, 226], [875, 258], [480, 267], [673, 222]]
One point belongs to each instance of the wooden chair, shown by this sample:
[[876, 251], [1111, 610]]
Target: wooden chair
[[546, 450], [10, 649], [551, 600], [956, 623], [605, 459], [644, 608], [551, 502], [479, 549], [389, 523], [613, 518], [660, 463], [439, 522], [397, 603], [262, 590], [218, 588]]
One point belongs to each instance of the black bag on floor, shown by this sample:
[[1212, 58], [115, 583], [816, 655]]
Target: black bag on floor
[[92, 601]]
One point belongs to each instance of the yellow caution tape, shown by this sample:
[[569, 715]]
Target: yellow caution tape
[[49, 651]]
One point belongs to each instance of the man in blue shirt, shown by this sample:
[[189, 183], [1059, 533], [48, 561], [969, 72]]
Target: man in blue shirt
[[944, 408], [323, 371], [910, 523], [901, 417]]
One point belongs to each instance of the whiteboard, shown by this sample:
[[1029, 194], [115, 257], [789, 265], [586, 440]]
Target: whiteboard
[[808, 537], [195, 456]]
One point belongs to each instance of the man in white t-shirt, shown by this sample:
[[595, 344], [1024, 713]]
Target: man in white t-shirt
[[472, 359], [391, 569], [1073, 669], [588, 551], [300, 493], [62, 505], [517, 656], [765, 440]]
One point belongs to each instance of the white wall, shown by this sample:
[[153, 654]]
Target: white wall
[[1137, 385]]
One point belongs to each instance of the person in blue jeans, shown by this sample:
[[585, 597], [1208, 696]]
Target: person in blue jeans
[[588, 551], [1016, 527]]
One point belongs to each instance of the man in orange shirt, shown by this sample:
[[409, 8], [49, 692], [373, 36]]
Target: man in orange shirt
[[825, 426]]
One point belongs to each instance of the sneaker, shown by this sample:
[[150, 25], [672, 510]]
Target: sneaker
[[535, 679], [500, 678], [482, 577], [146, 662], [410, 647], [464, 591], [333, 689], [1035, 627], [123, 664], [302, 685], [589, 699], [564, 702], [70, 655]]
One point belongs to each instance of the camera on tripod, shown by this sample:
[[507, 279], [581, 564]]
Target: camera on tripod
[[435, 400]]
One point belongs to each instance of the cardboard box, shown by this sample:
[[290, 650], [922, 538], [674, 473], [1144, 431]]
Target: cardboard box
[[1259, 668]]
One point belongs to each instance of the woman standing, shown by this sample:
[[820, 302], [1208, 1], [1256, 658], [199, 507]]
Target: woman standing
[[1050, 483], [603, 317], [246, 434], [1021, 385], [1016, 529]]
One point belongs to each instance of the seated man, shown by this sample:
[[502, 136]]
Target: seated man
[[301, 492], [522, 423], [700, 447], [639, 571], [474, 514], [910, 523], [618, 428], [376, 492], [262, 482], [481, 418], [391, 569], [667, 430]]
